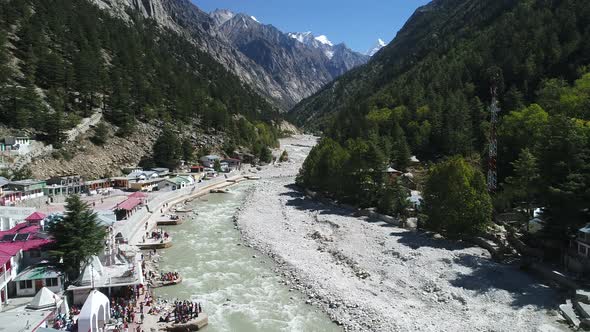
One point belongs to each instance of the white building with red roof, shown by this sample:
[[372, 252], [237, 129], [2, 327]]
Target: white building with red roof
[[21, 246]]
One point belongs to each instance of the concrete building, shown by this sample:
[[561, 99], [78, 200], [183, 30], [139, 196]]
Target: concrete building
[[161, 171], [43, 312], [175, 183], [233, 163], [145, 185], [20, 247], [35, 277], [209, 160], [16, 145], [11, 216], [96, 186], [28, 189], [138, 176], [64, 185]]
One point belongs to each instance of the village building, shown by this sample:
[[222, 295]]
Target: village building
[[582, 242], [137, 176], [43, 312], [107, 278], [232, 163], [245, 158], [20, 247], [197, 169], [209, 160], [125, 209], [28, 189], [131, 169], [64, 185], [16, 144], [175, 183], [120, 182], [224, 166], [162, 172], [10, 197], [145, 185], [35, 277], [94, 187], [11, 216]]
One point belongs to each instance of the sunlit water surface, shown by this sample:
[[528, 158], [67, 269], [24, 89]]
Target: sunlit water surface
[[238, 291]]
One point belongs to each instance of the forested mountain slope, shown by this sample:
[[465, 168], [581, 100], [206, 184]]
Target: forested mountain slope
[[427, 93], [449, 45], [62, 59]]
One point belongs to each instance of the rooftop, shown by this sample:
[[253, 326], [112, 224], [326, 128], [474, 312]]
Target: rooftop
[[39, 271], [123, 272], [27, 182], [128, 204], [21, 237]]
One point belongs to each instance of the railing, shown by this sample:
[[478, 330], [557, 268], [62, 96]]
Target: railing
[[131, 226]]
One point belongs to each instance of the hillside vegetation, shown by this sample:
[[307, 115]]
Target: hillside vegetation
[[427, 94], [60, 60]]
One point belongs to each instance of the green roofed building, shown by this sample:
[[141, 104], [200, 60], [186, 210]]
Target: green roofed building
[[35, 277]]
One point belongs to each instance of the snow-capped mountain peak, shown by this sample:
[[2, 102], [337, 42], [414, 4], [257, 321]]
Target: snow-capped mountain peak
[[221, 16], [302, 37], [378, 46], [324, 40], [254, 18]]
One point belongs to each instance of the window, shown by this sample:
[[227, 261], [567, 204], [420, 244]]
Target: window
[[25, 284], [51, 282], [35, 253]]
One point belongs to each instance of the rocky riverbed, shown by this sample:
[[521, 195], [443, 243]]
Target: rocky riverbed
[[371, 276]]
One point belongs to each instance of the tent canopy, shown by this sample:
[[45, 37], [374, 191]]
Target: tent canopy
[[37, 216], [95, 312], [44, 299]]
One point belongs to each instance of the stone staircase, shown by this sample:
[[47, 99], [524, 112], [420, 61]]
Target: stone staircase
[[577, 310]]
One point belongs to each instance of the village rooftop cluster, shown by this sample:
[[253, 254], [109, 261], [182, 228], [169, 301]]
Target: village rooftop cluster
[[31, 286]]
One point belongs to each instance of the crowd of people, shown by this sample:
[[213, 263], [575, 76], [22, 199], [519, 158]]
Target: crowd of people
[[158, 235], [123, 309], [170, 276], [183, 312]]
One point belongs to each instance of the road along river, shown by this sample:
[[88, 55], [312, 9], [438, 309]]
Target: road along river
[[238, 289]]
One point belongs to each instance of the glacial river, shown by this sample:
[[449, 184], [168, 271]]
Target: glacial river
[[239, 292]]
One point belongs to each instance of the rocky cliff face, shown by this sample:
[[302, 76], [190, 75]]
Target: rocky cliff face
[[262, 56], [186, 19], [302, 63], [300, 69]]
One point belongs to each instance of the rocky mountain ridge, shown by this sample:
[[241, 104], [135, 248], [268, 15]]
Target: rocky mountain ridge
[[283, 78], [304, 62]]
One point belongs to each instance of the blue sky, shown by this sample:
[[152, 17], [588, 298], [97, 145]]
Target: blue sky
[[358, 23]]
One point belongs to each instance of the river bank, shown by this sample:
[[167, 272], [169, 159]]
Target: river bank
[[235, 284], [372, 276]]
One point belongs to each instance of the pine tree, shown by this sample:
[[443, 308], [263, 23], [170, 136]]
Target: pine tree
[[523, 186], [167, 151], [456, 200], [188, 151], [100, 134], [77, 237]]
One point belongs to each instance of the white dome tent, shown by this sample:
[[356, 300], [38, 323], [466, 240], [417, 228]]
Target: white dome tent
[[95, 312]]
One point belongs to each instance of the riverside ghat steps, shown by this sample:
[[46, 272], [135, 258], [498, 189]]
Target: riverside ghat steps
[[134, 228]]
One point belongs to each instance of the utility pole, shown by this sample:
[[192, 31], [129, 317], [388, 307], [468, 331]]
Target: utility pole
[[493, 150]]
